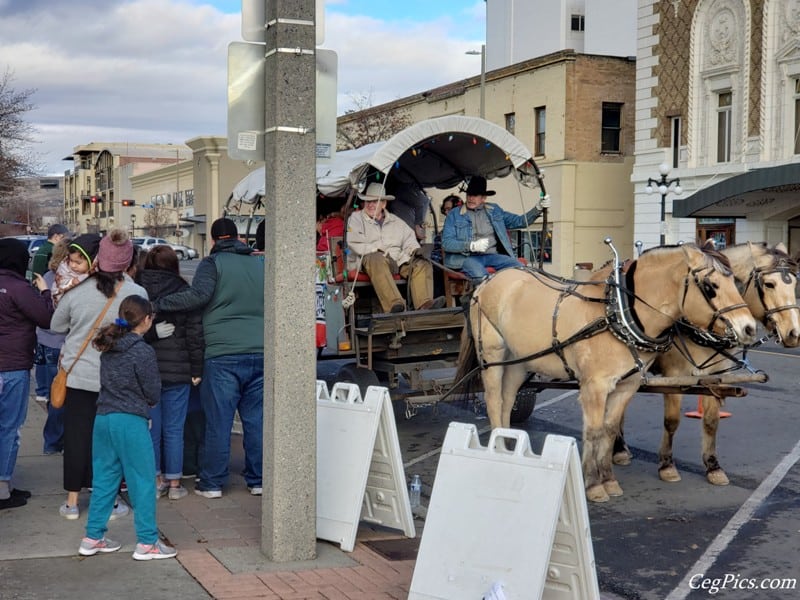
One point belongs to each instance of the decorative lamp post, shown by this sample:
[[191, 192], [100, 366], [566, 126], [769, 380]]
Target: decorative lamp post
[[133, 225], [664, 185], [482, 53]]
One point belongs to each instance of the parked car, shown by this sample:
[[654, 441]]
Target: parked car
[[183, 252], [33, 241]]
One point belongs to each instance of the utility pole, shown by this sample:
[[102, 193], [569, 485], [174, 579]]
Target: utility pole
[[288, 506]]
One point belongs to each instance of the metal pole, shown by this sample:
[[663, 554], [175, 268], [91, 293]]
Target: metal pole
[[483, 81], [288, 506], [663, 218], [177, 192]]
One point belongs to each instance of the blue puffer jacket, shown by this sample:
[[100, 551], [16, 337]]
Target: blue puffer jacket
[[457, 232]]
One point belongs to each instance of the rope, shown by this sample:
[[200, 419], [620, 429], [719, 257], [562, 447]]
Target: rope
[[350, 299]]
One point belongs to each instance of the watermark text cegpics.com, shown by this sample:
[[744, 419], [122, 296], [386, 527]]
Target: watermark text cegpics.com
[[731, 581]]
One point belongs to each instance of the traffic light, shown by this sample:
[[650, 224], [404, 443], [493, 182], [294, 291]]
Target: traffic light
[[96, 199], [129, 203]]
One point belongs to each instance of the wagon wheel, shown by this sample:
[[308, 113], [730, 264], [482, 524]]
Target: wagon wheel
[[523, 407], [361, 376]]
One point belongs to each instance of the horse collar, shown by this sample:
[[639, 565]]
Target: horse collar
[[622, 319]]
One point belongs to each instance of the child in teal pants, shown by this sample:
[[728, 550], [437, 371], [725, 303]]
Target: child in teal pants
[[121, 444]]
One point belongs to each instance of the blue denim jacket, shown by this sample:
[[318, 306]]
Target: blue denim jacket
[[457, 232]]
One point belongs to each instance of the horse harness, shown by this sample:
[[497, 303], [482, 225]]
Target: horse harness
[[723, 346], [620, 319], [756, 278]]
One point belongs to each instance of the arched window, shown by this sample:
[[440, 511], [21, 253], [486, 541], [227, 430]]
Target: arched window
[[719, 94]]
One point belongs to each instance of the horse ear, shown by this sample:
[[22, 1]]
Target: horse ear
[[781, 247]]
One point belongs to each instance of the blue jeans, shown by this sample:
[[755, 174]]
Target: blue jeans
[[231, 383], [475, 266], [15, 386], [40, 372], [53, 432], [166, 430], [121, 447]]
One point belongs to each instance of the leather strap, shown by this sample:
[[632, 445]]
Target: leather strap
[[94, 327]]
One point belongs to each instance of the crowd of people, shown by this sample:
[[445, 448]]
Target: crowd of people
[[156, 369]]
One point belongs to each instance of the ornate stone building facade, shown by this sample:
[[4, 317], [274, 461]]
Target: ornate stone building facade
[[718, 102]]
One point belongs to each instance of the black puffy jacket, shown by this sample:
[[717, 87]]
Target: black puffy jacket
[[180, 356]]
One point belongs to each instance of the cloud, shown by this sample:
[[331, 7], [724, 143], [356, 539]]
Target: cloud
[[156, 70], [396, 58]]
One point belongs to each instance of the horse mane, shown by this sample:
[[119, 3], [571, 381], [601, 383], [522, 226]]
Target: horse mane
[[780, 258], [713, 257]]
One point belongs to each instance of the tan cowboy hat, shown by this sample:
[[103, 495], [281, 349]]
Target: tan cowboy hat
[[375, 191]]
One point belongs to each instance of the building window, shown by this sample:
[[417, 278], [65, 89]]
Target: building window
[[797, 116], [577, 23], [511, 122], [540, 124], [724, 114], [675, 141], [611, 127], [189, 197]]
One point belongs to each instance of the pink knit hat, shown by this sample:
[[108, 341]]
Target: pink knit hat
[[116, 252]]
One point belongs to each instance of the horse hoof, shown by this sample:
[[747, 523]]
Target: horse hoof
[[717, 477], [612, 487], [669, 474], [623, 457], [597, 493]]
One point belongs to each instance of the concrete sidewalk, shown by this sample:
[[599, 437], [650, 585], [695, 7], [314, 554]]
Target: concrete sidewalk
[[217, 541]]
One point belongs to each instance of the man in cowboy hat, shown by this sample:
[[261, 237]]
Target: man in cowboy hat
[[475, 236], [384, 245]]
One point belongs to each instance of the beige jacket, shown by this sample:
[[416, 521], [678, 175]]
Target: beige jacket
[[366, 235]]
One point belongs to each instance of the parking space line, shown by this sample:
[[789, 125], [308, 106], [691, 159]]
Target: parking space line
[[731, 529]]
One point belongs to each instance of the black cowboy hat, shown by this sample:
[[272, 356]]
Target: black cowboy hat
[[477, 187]]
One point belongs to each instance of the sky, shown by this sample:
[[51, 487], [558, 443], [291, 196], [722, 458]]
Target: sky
[[155, 71]]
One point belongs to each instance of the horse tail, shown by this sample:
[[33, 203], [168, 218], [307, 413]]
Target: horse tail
[[467, 358]]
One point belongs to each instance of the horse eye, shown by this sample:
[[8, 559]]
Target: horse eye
[[769, 285]]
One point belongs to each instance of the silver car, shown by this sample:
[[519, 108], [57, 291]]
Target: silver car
[[183, 252]]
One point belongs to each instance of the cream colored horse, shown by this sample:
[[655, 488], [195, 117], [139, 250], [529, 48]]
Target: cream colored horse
[[767, 278], [518, 317]]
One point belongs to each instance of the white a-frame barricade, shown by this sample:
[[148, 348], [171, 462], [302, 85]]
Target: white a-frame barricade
[[359, 467], [506, 524]]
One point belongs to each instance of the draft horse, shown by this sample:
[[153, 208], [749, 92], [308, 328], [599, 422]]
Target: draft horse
[[525, 321], [767, 279]]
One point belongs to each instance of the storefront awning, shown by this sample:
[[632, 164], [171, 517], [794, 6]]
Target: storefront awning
[[767, 193]]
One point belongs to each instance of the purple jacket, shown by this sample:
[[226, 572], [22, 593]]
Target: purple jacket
[[22, 309]]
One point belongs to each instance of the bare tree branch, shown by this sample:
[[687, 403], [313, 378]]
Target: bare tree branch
[[367, 125], [16, 135]]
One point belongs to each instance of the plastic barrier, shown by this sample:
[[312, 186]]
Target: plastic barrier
[[506, 524], [359, 466]]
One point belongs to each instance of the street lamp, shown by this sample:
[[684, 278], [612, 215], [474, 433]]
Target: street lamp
[[664, 186], [482, 53]]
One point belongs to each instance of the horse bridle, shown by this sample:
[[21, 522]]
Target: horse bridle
[[757, 279], [706, 336]]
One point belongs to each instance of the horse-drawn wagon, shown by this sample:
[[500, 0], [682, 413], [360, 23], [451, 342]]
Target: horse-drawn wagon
[[415, 353]]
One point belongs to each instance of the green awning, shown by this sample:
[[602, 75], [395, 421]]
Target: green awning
[[766, 193]]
